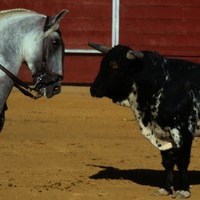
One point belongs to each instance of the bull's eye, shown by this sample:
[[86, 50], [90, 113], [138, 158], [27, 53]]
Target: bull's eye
[[114, 65]]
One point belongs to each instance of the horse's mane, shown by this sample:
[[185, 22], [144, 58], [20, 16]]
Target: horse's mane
[[15, 11]]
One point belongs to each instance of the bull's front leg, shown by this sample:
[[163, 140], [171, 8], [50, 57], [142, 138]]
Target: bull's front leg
[[183, 160], [168, 163]]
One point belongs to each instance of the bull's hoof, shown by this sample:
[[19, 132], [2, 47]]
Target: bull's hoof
[[161, 192], [182, 194]]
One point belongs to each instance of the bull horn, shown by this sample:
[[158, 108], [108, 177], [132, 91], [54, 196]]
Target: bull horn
[[134, 54], [99, 47]]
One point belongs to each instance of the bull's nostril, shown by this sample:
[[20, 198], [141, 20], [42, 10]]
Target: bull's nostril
[[96, 92]]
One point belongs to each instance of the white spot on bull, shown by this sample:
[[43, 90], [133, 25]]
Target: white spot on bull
[[155, 107], [124, 103], [176, 136], [165, 71], [147, 132], [161, 144], [159, 132], [190, 128], [197, 131], [194, 118]]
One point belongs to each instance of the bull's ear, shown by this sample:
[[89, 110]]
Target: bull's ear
[[99, 47], [53, 22], [131, 54]]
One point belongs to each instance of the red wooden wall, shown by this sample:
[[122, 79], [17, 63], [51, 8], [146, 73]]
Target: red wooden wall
[[87, 20], [170, 27]]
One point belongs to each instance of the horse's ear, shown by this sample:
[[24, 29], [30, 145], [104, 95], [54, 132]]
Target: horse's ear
[[53, 22], [56, 19]]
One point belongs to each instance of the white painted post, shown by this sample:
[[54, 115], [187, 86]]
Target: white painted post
[[115, 21], [115, 30]]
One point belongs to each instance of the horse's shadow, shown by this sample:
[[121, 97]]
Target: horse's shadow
[[149, 177]]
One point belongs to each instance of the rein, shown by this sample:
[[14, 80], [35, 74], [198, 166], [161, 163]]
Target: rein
[[20, 85]]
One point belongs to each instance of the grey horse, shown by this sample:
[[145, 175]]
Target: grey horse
[[34, 39]]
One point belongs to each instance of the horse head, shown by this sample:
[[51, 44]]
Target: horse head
[[43, 53]]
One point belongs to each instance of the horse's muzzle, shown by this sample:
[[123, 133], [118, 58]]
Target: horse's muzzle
[[52, 90], [48, 84]]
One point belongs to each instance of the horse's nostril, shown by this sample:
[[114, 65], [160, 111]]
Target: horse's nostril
[[56, 89]]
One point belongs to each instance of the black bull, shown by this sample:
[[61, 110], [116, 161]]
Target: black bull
[[164, 94]]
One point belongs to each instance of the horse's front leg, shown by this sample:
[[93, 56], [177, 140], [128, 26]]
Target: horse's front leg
[[2, 116], [168, 163], [5, 89]]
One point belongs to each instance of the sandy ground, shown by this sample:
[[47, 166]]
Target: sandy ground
[[75, 147]]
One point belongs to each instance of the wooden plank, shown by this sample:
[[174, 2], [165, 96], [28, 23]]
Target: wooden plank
[[159, 26], [76, 36], [148, 3], [93, 18], [81, 68], [160, 12], [171, 28]]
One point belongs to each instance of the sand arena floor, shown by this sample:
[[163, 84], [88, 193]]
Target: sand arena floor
[[75, 147]]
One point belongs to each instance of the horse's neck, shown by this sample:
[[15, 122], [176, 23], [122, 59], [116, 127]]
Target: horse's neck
[[12, 37], [11, 60]]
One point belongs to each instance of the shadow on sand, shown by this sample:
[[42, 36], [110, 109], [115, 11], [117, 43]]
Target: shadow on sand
[[149, 177]]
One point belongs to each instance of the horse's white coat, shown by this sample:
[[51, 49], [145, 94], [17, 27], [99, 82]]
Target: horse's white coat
[[33, 40], [17, 19], [21, 40]]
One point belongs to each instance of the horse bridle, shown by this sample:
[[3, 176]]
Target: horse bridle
[[42, 78]]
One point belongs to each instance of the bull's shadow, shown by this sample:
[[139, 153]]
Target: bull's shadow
[[149, 177]]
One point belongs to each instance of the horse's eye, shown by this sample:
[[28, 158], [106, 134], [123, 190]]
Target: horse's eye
[[56, 42]]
